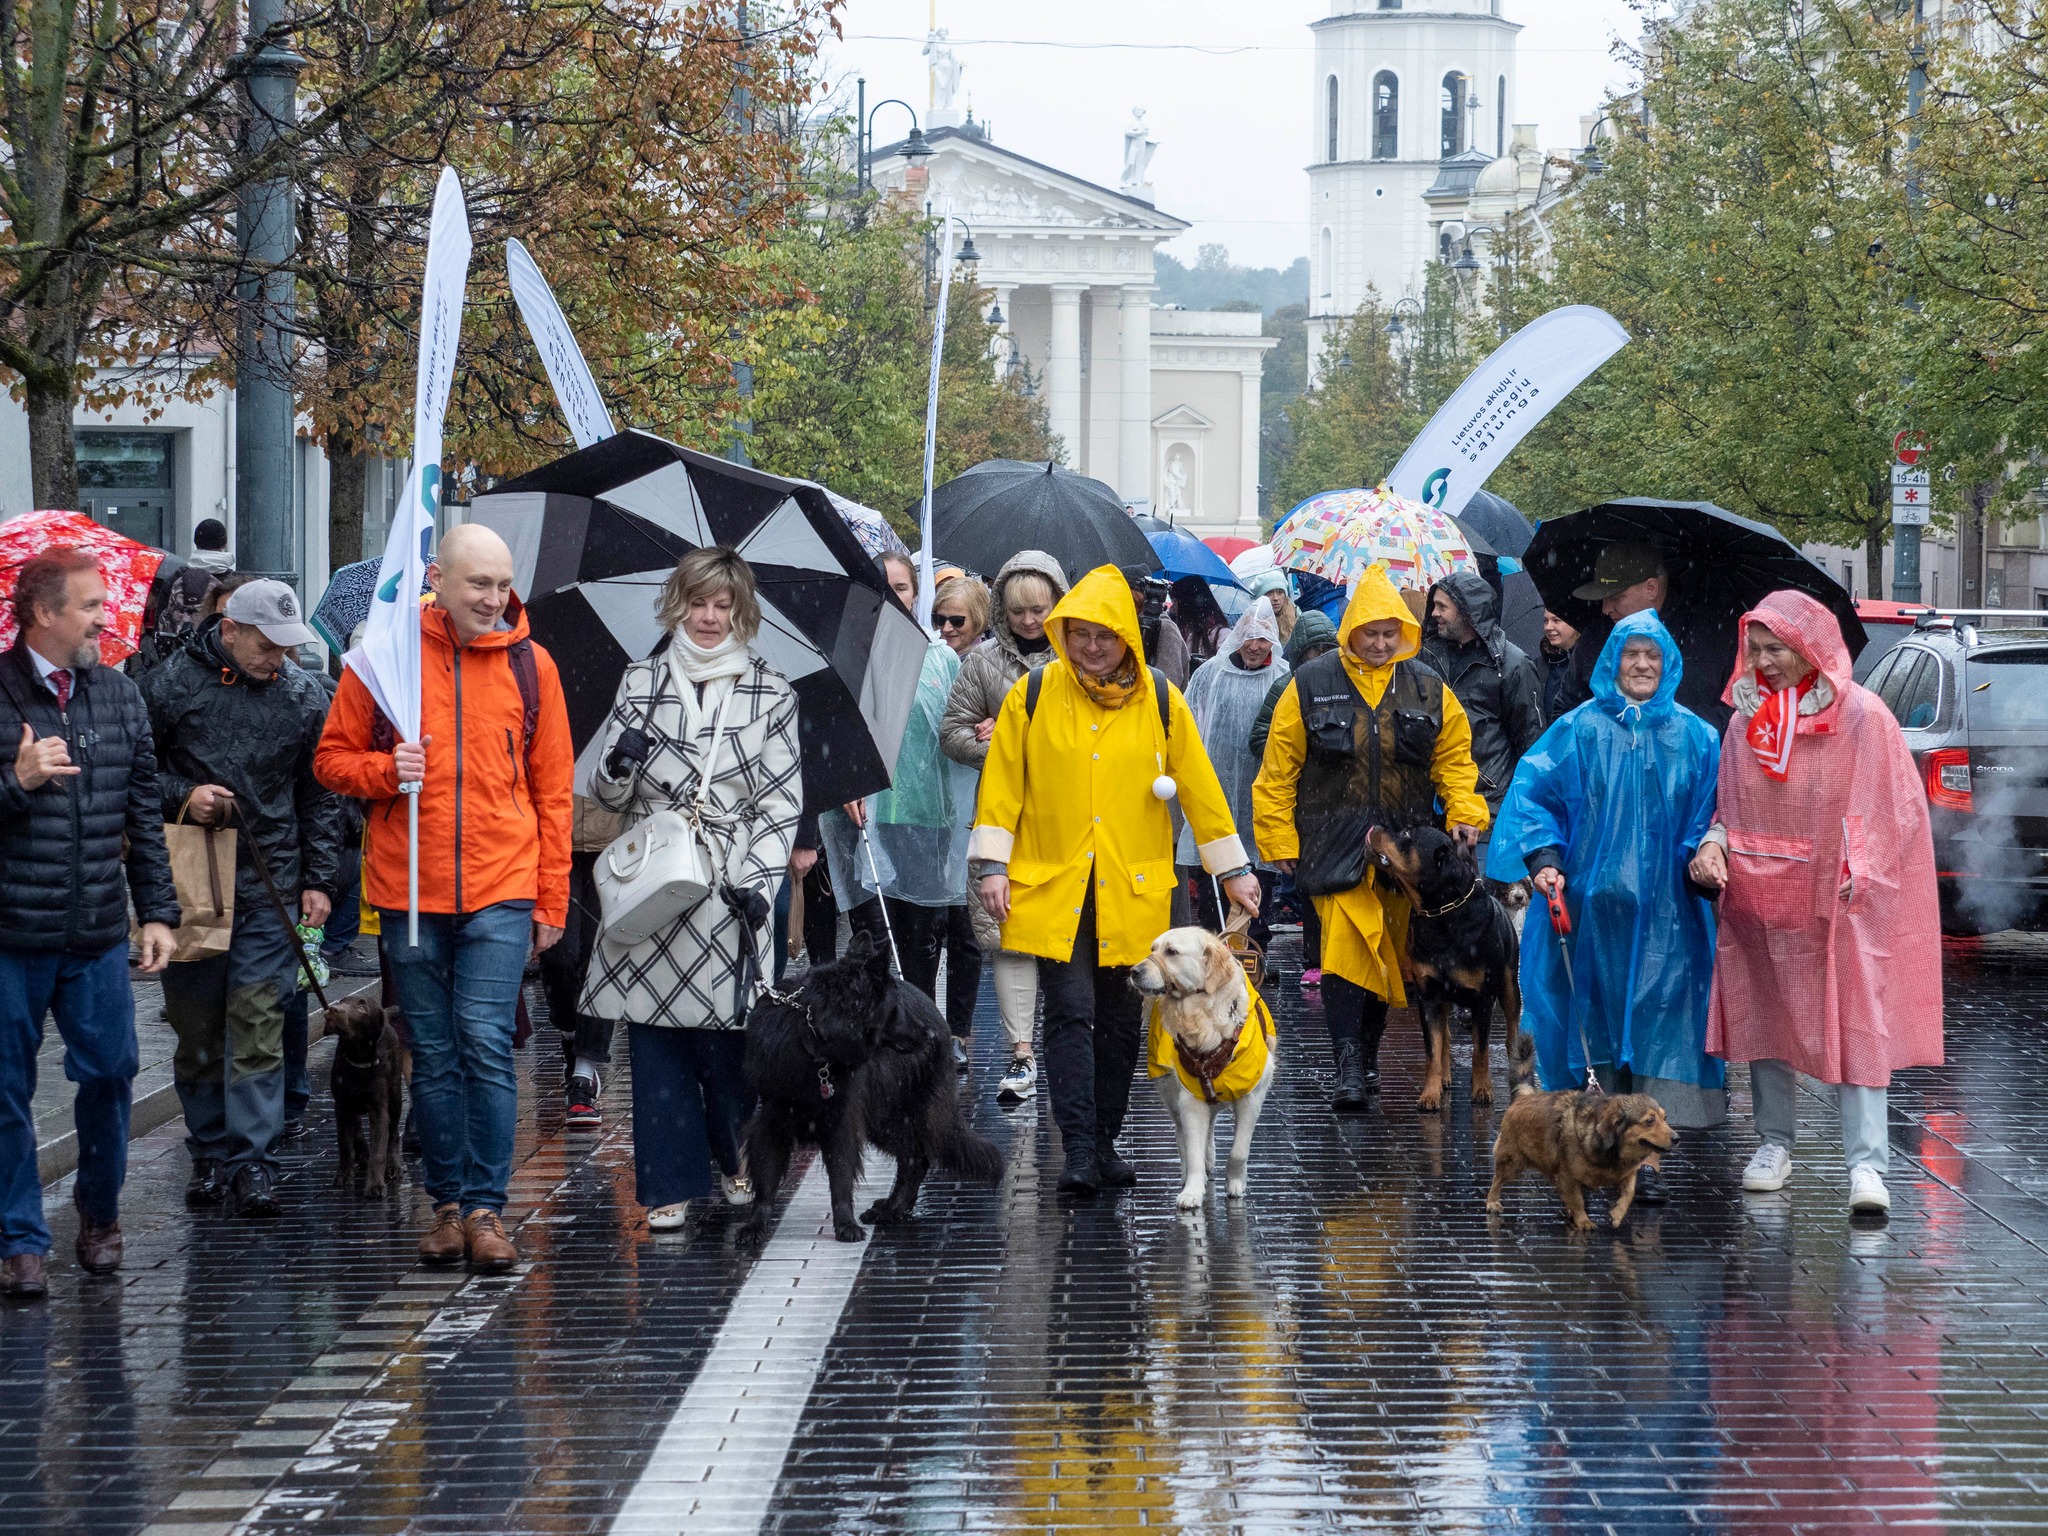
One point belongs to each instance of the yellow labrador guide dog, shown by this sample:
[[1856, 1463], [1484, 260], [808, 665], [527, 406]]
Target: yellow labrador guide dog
[[1212, 1044]]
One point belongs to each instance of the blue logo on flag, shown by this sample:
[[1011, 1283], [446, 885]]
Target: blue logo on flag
[[1437, 487]]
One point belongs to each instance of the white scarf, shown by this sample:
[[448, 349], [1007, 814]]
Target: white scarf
[[715, 669]]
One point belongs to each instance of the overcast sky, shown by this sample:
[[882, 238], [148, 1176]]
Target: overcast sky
[[1225, 86]]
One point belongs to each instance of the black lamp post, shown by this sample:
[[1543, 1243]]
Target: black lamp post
[[915, 148], [967, 255]]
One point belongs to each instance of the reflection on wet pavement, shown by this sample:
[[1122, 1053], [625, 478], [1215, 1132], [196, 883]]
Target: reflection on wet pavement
[[1357, 1344]]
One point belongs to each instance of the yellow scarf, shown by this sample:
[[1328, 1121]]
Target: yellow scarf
[[1115, 690]]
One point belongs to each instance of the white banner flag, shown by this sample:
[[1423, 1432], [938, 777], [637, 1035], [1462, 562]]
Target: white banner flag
[[575, 386], [1505, 396], [388, 660]]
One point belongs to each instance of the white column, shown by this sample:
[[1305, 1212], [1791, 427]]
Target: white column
[[1134, 416], [1063, 369], [1248, 471]]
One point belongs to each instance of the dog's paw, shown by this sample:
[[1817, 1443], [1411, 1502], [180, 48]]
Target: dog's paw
[[1430, 1103], [1191, 1198], [1582, 1223], [1494, 1208], [343, 1178], [374, 1190], [883, 1213], [1482, 1091], [849, 1231], [1235, 1189]]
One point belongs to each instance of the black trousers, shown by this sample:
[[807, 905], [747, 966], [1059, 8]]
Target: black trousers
[[1354, 1016], [923, 934], [562, 966], [821, 918], [1092, 1040]]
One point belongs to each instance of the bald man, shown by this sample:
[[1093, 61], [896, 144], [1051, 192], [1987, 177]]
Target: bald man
[[493, 763]]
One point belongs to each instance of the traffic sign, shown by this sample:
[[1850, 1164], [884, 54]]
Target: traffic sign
[[1909, 446], [1909, 517], [1906, 474]]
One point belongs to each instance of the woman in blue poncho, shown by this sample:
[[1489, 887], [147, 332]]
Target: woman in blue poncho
[[1610, 805]]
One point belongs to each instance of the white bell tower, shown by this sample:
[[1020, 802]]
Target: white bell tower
[[1400, 86]]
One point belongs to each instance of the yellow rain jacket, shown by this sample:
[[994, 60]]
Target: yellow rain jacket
[[1364, 928], [1066, 798], [1247, 1062]]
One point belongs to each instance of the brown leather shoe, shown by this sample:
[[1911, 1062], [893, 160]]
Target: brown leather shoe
[[444, 1242], [490, 1250], [24, 1275], [99, 1245]]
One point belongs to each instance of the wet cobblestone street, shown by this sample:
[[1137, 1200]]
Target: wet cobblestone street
[[1357, 1345]]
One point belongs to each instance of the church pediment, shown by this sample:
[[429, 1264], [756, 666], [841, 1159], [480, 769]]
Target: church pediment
[[1183, 418], [995, 188]]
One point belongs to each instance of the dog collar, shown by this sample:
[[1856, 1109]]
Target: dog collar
[[807, 1032], [1450, 906]]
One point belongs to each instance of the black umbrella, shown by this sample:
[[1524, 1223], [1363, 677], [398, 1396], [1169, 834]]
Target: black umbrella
[[594, 535], [1720, 566], [1498, 521], [981, 518]]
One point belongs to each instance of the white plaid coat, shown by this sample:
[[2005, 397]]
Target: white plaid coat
[[689, 975]]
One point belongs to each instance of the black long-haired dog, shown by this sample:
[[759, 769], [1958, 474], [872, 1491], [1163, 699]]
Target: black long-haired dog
[[852, 1057], [1463, 953]]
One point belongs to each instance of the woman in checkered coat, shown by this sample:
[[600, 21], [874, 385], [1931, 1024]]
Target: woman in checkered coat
[[703, 703]]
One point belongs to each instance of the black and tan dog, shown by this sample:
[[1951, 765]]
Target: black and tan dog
[[1463, 952], [1580, 1141], [371, 1069]]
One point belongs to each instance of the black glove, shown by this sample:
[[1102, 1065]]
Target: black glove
[[631, 748], [745, 903]]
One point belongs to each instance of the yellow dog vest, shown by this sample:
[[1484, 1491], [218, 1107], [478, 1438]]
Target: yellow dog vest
[[1247, 1061]]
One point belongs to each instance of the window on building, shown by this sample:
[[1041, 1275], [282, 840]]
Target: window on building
[[1849, 577], [1453, 111], [126, 481], [1500, 116], [1326, 252], [1386, 116], [1390, 5], [1330, 127]]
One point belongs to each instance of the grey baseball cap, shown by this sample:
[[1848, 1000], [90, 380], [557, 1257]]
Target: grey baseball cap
[[273, 608]]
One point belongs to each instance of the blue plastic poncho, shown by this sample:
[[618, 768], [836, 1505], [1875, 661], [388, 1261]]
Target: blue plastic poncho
[[1626, 792]]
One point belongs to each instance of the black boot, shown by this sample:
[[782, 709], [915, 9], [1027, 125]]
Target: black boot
[[204, 1187], [253, 1193], [1650, 1187], [1352, 1090], [1080, 1176], [1112, 1171]]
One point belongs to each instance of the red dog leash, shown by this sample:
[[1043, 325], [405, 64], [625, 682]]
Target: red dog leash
[[1561, 925]]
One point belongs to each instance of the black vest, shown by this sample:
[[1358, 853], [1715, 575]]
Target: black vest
[[1365, 767]]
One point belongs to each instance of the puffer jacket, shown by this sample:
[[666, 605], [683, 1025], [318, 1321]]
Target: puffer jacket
[[76, 849], [1493, 678], [988, 671], [214, 724]]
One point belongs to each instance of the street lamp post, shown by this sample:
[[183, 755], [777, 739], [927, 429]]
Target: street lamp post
[[1906, 536], [967, 255], [266, 539], [915, 148]]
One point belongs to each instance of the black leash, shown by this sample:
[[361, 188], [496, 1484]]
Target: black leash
[[277, 904]]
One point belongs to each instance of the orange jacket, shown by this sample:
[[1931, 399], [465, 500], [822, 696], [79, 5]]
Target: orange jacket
[[488, 831]]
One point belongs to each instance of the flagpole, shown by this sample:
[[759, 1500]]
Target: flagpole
[[412, 865], [931, 418]]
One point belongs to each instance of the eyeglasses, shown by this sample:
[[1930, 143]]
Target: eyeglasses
[[951, 620]]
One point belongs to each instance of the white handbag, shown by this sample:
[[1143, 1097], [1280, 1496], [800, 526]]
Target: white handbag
[[660, 867]]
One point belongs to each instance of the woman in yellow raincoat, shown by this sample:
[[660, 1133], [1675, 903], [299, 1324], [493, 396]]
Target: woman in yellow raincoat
[[1363, 736], [1079, 851]]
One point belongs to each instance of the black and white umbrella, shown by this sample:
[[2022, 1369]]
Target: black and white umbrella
[[594, 536]]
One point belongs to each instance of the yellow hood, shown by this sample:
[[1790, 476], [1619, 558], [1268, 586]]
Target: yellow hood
[[1376, 598], [1101, 597]]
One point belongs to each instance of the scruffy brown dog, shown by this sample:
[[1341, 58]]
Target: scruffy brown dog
[[1579, 1140], [370, 1071]]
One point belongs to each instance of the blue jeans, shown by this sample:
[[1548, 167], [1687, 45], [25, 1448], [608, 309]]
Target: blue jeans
[[228, 1012], [345, 922], [690, 1098], [460, 994], [95, 1011]]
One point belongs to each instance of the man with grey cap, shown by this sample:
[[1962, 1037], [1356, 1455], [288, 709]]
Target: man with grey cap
[[236, 727]]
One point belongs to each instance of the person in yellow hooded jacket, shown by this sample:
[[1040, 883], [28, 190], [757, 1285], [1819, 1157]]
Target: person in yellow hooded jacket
[[1079, 851], [1364, 736]]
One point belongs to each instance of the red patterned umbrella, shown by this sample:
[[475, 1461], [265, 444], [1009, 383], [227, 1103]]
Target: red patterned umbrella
[[128, 567], [1228, 546]]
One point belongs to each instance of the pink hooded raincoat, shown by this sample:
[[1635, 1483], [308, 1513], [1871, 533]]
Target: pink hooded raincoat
[[1847, 991]]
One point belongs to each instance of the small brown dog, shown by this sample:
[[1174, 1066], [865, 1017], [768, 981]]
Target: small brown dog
[[371, 1068], [1579, 1140]]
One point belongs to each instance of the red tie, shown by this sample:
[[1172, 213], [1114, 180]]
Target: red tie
[[61, 681]]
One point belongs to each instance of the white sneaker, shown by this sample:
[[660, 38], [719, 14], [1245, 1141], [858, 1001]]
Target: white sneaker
[[668, 1218], [1768, 1170], [1018, 1080], [1867, 1191], [738, 1188]]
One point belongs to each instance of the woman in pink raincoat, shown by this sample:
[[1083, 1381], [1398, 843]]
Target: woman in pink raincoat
[[1828, 960]]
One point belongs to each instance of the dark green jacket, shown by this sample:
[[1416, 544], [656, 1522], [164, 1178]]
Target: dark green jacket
[[1313, 635]]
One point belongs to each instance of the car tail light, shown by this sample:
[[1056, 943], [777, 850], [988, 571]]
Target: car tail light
[[1948, 778]]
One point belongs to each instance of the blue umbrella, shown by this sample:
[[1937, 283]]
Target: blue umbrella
[[1182, 554]]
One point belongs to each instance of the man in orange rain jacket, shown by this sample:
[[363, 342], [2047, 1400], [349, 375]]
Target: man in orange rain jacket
[[495, 761]]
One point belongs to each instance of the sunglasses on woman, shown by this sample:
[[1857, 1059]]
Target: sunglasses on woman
[[951, 620]]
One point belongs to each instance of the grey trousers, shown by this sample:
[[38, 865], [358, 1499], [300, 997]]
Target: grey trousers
[[1774, 1088]]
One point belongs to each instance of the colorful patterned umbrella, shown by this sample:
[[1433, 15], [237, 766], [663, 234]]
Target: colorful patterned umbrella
[[868, 525], [128, 568], [1339, 534]]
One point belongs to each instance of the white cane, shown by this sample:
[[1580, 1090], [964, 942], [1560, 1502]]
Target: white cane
[[887, 927]]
